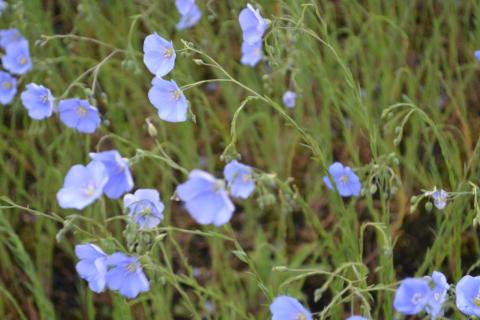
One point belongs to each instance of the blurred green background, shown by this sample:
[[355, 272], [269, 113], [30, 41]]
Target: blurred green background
[[348, 60]]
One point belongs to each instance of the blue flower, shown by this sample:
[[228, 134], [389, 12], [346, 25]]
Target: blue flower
[[82, 185], [440, 198], [126, 275], [169, 100], [8, 88], [145, 207], [356, 318], [239, 179], [468, 295], [252, 24], [8, 36], [412, 296], [288, 308], [79, 114], [289, 98], [120, 178], [158, 55], [3, 6], [38, 100], [251, 53], [91, 266], [477, 55], [17, 57], [438, 295], [189, 19], [183, 6], [345, 179], [206, 199]]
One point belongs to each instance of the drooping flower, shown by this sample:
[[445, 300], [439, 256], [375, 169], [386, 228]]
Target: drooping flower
[[144, 207], [251, 53], [189, 19], [17, 57], [169, 100], [206, 199], [253, 24], [91, 266], [38, 100], [183, 6], [468, 295], [120, 178], [288, 308], [126, 275], [289, 98], [477, 55], [347, 182], [412, 296], [82, 186], [8, 88], [440, 198], [239, 179], [79, 114], [158, 55], [8, 36], [356, 318], [438, 296]]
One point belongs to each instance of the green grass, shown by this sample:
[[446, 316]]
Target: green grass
[[349, 61]]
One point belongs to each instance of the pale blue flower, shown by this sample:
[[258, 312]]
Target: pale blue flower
[[288, 308], [169, 100], [412, 296], [468, 295], [17, 57], [440, 198], [158, 55], [356, 318], [8, 88], [79, 114], [438, 296], [91, 266], [38, 100], [477, 55], [120, 178], [184, 6], [239, 179], [253, 24], [190, 18], [82, 186], [206, 199], [251, 53], [144, 207], [289, 98], [347, 182], [8, 36], [126, 276]]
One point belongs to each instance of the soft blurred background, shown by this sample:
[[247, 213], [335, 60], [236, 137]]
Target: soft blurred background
[[347, 60]]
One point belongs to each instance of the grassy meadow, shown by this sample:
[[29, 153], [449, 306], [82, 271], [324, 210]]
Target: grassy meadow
[[389, 88]]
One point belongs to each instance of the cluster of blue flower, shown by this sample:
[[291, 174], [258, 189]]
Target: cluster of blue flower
[[37, 99], [206, 198]]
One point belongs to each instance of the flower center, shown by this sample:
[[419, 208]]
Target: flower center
[[22, 60], [176, 94], [301, 316], [343, 179], [81, 111], [246, 178], [147, 211], [6, 84], [476, 301], [132, 267], [44, 98], [89, 190], [168, 52], [436, 296], [417, 298]]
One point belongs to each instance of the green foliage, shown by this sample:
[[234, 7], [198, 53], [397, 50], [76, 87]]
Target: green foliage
[[386, 87]]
